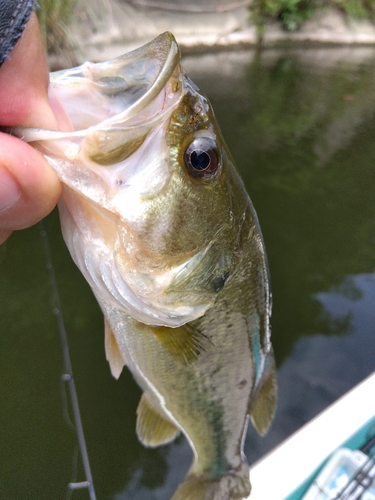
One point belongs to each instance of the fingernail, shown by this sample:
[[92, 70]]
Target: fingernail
[[9, 190]]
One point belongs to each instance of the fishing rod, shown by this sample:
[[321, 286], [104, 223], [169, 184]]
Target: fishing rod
[[68, 372]]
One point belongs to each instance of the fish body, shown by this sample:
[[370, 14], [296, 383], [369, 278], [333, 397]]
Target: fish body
[[157, 218]]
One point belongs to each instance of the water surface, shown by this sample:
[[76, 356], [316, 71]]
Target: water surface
[[301, 126]]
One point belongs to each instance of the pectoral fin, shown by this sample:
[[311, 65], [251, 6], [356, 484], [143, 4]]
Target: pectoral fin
[[112, 351], [184, 343], [263, 408], [153, 428]]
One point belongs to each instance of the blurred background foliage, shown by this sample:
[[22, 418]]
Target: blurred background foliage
[[55, 15], [292, 13]]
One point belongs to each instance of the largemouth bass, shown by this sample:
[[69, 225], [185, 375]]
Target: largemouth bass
[[157, 219]]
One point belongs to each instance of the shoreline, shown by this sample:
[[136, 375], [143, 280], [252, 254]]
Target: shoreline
[[102, 33]]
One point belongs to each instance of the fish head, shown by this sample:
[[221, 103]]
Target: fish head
[[153, 210]]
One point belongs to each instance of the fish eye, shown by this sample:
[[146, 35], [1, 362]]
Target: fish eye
[[201, 157]]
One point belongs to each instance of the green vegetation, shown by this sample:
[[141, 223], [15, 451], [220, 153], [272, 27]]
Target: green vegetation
[[292, 13], [54, 17]]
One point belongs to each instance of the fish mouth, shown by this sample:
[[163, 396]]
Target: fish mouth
[[113, 106], [116, 90]]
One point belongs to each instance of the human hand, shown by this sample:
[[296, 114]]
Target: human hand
[[29, 188]]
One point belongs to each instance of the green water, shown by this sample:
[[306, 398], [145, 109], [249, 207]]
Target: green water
[[301, 126]]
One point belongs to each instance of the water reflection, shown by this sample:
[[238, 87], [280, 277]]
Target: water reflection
[[322, 368], [318, 222], [300, 124], [170, 463]]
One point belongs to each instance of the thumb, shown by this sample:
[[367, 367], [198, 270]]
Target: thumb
[[29, 188]]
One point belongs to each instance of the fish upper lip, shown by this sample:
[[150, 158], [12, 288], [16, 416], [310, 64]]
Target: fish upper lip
[[168, 66]]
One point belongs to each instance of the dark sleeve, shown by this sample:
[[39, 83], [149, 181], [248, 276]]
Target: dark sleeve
[[14, 15]]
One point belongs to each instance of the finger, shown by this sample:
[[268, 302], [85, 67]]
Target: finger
[[24, 80], [29, 188]]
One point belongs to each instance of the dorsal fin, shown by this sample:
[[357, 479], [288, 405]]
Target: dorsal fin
[[153, 428], [262, 409], [112, 351], [185, 343]]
